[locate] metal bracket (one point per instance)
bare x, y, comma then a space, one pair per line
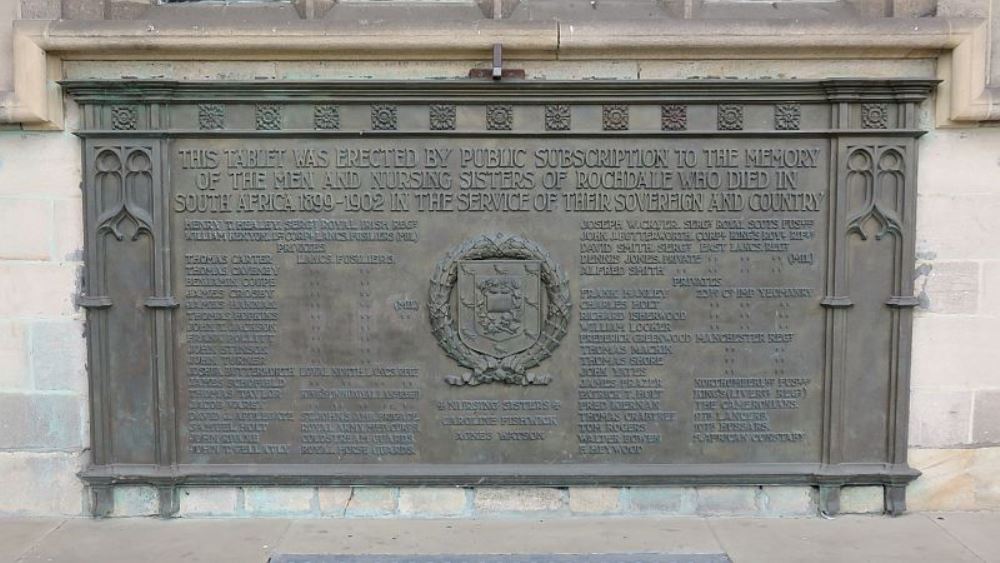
498, 72
497, 61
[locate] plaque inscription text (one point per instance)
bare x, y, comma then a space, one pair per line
321, 281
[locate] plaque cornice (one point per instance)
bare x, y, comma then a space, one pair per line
312, 133
406, 107
521, 91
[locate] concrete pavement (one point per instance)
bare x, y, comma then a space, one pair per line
932, 537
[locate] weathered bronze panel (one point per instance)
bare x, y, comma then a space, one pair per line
477, 283
431, 301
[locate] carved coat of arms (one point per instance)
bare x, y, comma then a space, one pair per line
499, 305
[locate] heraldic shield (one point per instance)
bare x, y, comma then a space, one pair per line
499, 305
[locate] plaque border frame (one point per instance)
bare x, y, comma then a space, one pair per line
151, 123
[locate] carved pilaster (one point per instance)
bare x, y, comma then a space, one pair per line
836, 302
871, 244
128, 299
875, 185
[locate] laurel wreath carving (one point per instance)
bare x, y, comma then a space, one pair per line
485, 368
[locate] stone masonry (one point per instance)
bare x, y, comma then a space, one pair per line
955, 404
43, 381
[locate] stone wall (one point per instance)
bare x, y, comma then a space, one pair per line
43, 381
955, 393
955, 428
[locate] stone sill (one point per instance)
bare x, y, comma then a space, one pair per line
960, 45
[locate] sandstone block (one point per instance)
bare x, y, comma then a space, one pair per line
581, 70
989, 303
784, 69
984, 471
862, 500
595, 500
111, 70
223, 70
41, 10
958, 227
39, 164
41, 484
372, 70
986, 424
59, 355
964, 9
939, 417
957, 161
25, 229
37, 290
492, 500
432, 501
957, 352
279, 501
333, 500
136, 501
945, 484
41, 421
789, 501
67, 232
950, 288
369, 502
727, 501
14, 372
209, 501
677, 501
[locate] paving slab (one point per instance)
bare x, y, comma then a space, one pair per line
18, 535
941, 537
563, 535
854, 539
142, 540
536, 558
978, 531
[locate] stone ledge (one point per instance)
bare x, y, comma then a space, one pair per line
960, 43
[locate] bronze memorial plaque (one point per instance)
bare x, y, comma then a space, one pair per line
500, 283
